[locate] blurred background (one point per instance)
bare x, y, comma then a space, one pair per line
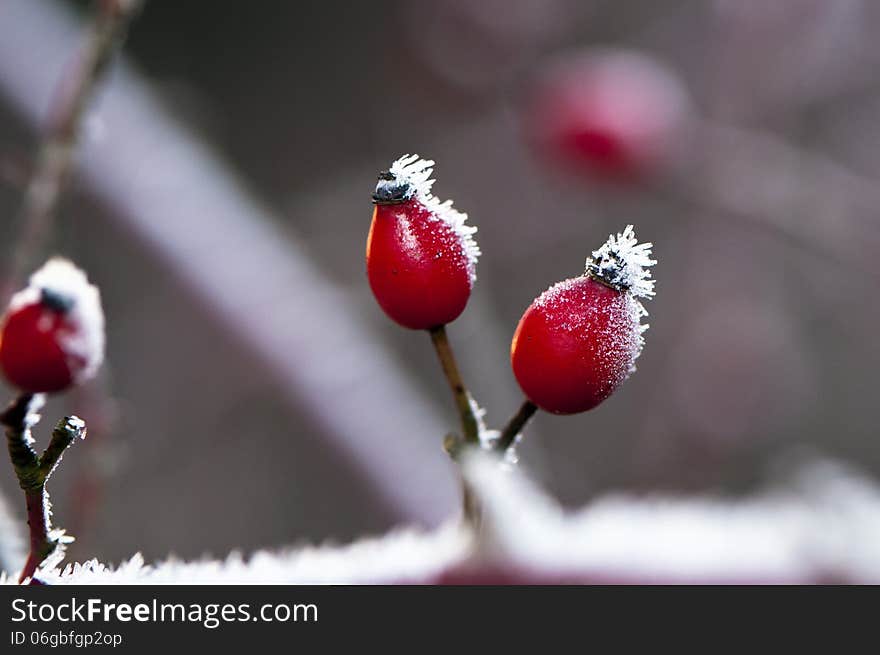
255, 395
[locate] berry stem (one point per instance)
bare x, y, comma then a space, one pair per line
453, 377
515, 426
34, 470
74, 95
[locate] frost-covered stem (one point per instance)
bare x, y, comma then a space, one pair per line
37, 502
33, 471
453, 377
16, 418
56, 150
515, 425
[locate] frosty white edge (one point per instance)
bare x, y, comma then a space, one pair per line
821, 521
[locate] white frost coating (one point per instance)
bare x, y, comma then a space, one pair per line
488, 437
821, 523
85, 341
416, 173
404, 556
622, 263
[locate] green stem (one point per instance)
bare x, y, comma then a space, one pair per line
453, 377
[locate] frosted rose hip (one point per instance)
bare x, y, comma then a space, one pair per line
53, 332
580, 339
421, 256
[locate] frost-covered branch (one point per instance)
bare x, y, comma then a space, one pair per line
821, 524
803, 196
33, 470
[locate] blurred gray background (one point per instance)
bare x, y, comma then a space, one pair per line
762, 340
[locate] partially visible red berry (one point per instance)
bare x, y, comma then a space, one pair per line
613, 114
579, 339
421, 256
53, 332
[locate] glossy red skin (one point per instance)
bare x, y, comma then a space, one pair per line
31, 350
574, 345
417, 266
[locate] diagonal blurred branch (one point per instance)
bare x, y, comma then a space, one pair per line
805, 197
56, 152
187, 207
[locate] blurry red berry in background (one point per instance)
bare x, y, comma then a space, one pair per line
421, 256
610, 114
53, 333
580, 339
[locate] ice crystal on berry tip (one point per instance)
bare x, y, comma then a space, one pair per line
411, 176
622, 262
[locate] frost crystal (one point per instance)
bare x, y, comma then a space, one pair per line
819, 523
487, 437
410, 177
62, 284
622, 263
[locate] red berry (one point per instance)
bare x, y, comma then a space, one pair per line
579, 339
421, 257
615, 114
53, 333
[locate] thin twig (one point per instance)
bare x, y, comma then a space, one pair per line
56, 152
515, 426
34, 470
460, 393
470, 428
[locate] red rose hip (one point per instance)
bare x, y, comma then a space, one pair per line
613, 114
421, 256
579, 339
53, 332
